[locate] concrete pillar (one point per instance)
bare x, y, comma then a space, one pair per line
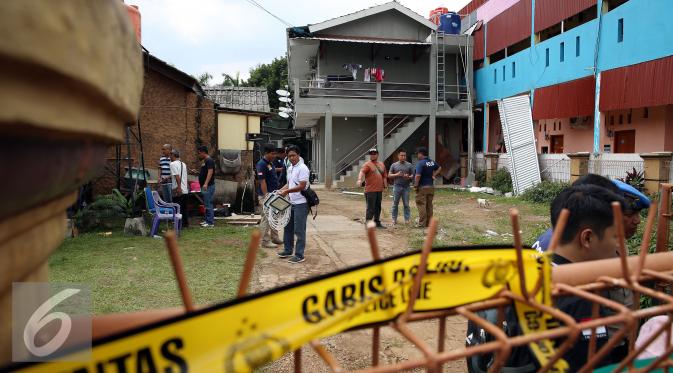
657, 168
380, 134
491, 164
432, 135
579, 165
486, 127
329, 160
463, 165
597, 116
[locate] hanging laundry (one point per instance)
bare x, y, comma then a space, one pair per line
353, 68
367, 77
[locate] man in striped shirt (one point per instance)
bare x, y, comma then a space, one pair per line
165, 172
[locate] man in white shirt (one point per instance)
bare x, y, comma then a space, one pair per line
179, 182
297, 181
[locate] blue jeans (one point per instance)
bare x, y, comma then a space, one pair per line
208, 201
296, 227
403, 192
166, 192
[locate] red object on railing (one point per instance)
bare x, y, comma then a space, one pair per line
436, 13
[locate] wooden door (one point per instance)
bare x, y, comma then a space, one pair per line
625, 141
556, 144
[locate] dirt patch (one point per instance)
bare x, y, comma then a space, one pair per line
337, 239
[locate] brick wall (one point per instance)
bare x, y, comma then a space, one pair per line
170, 113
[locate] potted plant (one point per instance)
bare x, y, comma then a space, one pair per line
134, 224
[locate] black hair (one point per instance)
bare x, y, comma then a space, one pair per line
293, 148
601, 181
280, 150
422, 150
202, 149
402, 151
268, 148
590, 207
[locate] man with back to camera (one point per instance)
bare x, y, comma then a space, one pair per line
279, 164
267, 183
207, 181
401, 172
424, 183
589, 235
180, 191
374, 175
297, 181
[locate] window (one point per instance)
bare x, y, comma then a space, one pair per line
621, 119
620, 30
546, 57
612, 120
545, 126
628, 117
646, 113
554, 126
562, 51
495, 76
559, 126
513, 69
503, 73
577, 46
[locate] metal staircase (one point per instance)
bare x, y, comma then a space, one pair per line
441, 71
397, 130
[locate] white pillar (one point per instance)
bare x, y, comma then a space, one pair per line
329, 161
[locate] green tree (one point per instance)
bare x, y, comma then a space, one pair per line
272, 76
204, 79
230, 81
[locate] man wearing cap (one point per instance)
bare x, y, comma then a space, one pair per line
635, 201
374, 175
424, 183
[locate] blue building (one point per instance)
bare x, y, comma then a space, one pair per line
599, 72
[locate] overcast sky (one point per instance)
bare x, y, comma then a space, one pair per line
229, 36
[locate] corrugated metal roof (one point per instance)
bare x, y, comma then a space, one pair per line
479, 44
352, 39
471, 6
645, 84
253, 99
570, 99
509, 27
551, 12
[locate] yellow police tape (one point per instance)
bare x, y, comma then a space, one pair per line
532, 320
243, 334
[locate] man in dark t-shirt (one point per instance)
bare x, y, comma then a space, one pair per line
207, 181
267, 182
424, 183
589, 235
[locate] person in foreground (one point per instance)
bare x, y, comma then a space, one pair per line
589, 235
297, 181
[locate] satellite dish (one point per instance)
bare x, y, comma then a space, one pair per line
286, 109
285, 99
282, 92
284, 115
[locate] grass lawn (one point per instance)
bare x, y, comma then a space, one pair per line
462, 222
134, 273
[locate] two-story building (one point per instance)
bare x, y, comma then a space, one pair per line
599, 72
383, 77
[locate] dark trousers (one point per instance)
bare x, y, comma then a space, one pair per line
182, 201
373, 200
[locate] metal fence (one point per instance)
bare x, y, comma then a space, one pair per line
555, 169
614, 169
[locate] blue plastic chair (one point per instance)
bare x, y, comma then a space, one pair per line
162, 211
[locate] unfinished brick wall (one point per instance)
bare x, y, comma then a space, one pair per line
170, 113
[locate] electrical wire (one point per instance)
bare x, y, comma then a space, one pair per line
277, 219
253, 2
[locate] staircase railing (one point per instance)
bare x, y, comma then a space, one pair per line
360, 150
